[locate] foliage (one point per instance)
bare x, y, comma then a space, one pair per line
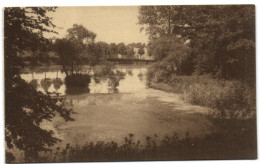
121, 49
113, 48
93, 54
130, 52
79, 80
172, 54
104, 49
23, 118
222, 38
23, 27
238, 142
157, 21
69, 52
26, 108
141, 51
71, 49
113, 77
75, 90
228, 98
221, 43
34, 83
80, 34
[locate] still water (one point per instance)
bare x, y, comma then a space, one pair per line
133, 81
102, 115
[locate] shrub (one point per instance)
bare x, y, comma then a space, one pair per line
230, 97
224, 143
114, 77
77, 80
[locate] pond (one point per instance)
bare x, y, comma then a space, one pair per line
102, 115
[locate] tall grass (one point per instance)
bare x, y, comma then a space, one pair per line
232, 98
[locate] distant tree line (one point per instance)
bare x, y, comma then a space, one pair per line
218, 40
79, 47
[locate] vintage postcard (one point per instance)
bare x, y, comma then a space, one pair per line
129, 83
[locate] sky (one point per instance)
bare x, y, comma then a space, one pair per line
111, 24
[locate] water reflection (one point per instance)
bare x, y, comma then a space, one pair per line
57, 82
121, 80
141, 76
76, 90
129, 72
46, 84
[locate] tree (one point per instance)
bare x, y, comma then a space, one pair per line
211, 32
25, 107
81, 34
141, 51
69, 53
130, 52
113, 49
173, 55
93, 54
104, 49
121, 49
76, 46
156, 20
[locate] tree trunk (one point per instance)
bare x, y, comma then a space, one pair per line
66, 72
72, 69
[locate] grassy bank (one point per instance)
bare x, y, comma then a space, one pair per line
235, 98
233, 114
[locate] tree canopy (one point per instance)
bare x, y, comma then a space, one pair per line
78, 45
81, 34
222, 38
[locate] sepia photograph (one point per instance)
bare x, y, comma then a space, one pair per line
129, 83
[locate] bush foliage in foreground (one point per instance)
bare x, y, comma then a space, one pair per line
231, 139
